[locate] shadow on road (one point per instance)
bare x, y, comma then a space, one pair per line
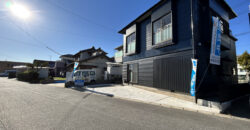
240, 108
92, 91
101, 85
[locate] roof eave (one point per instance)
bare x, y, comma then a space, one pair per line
142, 16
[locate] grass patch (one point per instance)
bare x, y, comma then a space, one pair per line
59, 78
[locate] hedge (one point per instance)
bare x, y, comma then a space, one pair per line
12, 75
28, 76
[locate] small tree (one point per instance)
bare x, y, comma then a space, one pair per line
38, 64
244, 61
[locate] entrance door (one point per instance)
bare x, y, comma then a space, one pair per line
133, 73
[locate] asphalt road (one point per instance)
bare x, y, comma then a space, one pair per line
25, 106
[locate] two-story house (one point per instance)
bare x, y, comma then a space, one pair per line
67, 59
92, 58
159, 45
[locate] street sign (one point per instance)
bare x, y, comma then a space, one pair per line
193, 77
79, 83
216, 42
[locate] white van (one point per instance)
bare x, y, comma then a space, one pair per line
88, 76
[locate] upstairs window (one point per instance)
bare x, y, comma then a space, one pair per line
131, 43
162, 29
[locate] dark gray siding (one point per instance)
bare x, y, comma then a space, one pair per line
124, 72
146, 72
170, 71
162, 10
173, 73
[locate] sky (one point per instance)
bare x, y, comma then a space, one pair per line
68, 26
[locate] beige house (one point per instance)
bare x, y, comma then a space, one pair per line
91, 58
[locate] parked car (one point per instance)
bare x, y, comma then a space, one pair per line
3, 75
6, 73
86, 76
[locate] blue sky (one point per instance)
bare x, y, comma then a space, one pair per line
68, 26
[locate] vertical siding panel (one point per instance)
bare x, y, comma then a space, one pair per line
173, 73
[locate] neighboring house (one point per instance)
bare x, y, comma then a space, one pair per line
51, 67
243, 75
8, 65
91, 59
119, 54
56, 68
159, 45
67, 59
114, 69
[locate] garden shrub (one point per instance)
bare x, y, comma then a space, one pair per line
28, 76
12, 75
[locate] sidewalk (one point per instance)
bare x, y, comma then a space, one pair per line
157, 97
141, 95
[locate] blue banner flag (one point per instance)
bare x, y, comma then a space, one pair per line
216, 42
193, 77
75, 67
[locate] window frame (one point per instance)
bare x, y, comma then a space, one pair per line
167, 42
127, 52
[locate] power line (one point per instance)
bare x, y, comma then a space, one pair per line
67, 32
17, 41
81, 17
241, 34
241, 13
34, 38
238, 5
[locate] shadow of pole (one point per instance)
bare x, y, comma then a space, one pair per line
92, 91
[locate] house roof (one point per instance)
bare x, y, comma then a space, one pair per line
146, 14
86, 50
232, 14
97, 56
43, 61
119, 47
89, 50
67, 55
